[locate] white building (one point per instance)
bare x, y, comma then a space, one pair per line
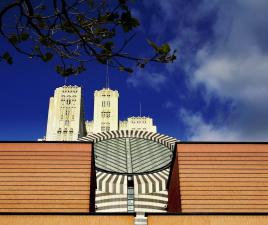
140, 123
66, 115
105, 110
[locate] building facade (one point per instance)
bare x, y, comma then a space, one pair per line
66, 115
111, 177
66, 121
106, 115
140, 123
105, 110
132, 169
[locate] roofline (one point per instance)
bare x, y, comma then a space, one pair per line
203, 142
208, 214
221, 142
70, 214
50, 142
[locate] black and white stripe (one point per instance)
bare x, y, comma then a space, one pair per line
148, 151
151, 183
111, 183
160, 138
131, 152
150, 192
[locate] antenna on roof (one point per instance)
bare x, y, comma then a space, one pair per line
107, 74
140, 108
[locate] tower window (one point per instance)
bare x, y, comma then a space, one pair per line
105, 114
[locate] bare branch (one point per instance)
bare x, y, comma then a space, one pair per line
77, 33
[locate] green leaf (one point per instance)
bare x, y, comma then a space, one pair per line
6, 56
65, 72
128, 22
59, 69
44, 40
47, 57
135, 22
37, 49
141, 64
24, 36
108, 45
154, 46
165, 49
13, 39
80, 69
41, 24
67, 26
125, 69
103, 18
112, 17
91, 3
101, 59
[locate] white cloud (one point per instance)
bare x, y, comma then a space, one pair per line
145, 78
231, 63
242, 78
199, 130
235, 66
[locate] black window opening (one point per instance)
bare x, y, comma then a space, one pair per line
130, 194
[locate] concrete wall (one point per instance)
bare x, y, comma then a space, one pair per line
46, 177
218, 177
207, 220
66, 220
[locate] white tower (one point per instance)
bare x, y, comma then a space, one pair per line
105, 110
66, 115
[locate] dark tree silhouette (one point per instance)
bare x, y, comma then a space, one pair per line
76, 31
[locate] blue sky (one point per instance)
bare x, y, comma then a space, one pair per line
216, 90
